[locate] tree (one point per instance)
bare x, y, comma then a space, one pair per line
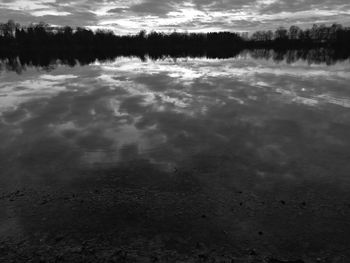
142, 34
8, 29
281, 33
334, 31
294, 32
269, 35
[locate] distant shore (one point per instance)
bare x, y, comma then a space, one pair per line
14, 37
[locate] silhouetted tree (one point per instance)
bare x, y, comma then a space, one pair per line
294, 33
42, 36
281, 34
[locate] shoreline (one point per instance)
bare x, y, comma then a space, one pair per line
118, 216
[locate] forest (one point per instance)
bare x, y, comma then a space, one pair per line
41, 36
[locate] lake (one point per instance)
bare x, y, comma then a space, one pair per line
247, 155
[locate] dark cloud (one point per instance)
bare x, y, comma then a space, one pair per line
156, 7
304, 5
117, 10
153, 7
221, 5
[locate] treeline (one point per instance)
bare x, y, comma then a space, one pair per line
41, 36
317, 35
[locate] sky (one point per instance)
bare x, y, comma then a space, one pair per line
181, 15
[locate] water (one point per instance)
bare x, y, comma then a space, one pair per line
168, 111
273, 130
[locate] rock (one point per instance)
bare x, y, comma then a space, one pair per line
154, 259
273, 260
203, 257
119, 255
59, 238
77, 249
59, 257
44, 202
42, 260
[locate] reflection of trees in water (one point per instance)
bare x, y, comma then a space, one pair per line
312, 56
49, 60
12, 64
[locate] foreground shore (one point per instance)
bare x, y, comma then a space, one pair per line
142, 215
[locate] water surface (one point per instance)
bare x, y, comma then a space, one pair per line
274, 129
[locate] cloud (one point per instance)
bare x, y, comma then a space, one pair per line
117, 10
180, 15
153, 7
305, 5
49, 13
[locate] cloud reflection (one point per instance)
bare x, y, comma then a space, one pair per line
169, 111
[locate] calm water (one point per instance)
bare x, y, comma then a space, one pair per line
283, 121
277, 130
